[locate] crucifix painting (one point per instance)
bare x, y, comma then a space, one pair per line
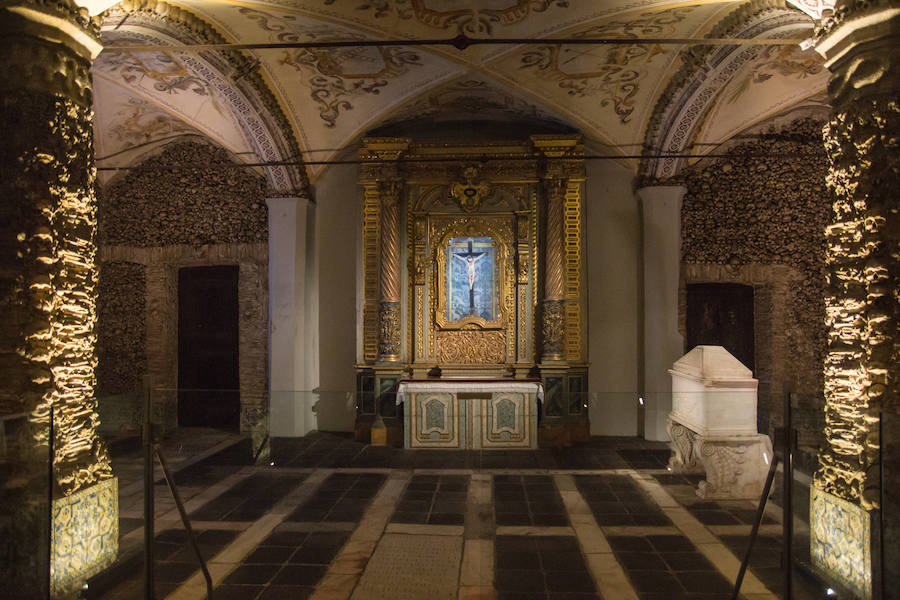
471, 278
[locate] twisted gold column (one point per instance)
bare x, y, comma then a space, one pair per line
553, 324
389, 301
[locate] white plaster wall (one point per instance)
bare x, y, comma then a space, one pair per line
290, 354
663, 344
337, 222
612, 242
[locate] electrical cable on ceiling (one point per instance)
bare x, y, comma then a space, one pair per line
484, 159
462, 42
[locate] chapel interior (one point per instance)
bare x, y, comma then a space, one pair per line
463, 299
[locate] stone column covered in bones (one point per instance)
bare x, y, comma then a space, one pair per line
48, 274
861, 45
862, 368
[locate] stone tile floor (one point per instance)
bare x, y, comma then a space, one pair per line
528, 500
329, 518
433, 500
541, 567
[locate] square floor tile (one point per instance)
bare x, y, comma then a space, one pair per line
299, 575
704, 582
518, 581
517, 560
671, 543
315, 555
237, 592
285, 592
273, 555
569, 581
630, 543
252, 574
687, 561
654, 581
641, 561
285, 538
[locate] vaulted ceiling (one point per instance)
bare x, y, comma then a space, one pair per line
284, 103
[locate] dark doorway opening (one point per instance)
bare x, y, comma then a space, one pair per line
721, 314
208, 347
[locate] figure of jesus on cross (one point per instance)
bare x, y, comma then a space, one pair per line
470, 258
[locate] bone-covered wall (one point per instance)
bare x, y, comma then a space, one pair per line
758, 217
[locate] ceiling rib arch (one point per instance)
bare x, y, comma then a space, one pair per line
235, 76
685, 103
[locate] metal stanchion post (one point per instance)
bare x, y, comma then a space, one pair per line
179, 503
760, 511
788, 514
50, 459
148, 499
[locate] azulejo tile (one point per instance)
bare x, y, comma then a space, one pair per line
85, 537
839, 540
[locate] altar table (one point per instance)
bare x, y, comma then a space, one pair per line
465, 414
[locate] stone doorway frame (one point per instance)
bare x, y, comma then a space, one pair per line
161, 341
771, 322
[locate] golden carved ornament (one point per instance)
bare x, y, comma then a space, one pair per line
469, 194
471, 346
433, 198
420, 346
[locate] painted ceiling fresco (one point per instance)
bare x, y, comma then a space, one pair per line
330, 97
142, 97
778, 76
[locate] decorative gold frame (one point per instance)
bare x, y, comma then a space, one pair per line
498, 229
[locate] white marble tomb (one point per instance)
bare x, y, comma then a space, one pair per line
712, 425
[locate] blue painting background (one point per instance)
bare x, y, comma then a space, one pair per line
485, 295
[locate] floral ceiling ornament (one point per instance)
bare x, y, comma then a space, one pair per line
337, 74
167, 72
785, 61
468, 20
139, 122
613, 73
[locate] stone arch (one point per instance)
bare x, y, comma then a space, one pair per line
705, 71
147, 251
236, 76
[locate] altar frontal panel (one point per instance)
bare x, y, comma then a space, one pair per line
434, 421
470, 419
507, 420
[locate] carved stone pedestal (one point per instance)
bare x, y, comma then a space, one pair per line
735, 466
684, 457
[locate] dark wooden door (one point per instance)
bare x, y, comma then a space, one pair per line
208, 347
721, 314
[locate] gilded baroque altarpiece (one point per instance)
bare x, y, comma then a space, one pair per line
471, 259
